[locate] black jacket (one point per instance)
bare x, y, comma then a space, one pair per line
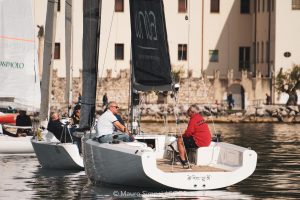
61, 133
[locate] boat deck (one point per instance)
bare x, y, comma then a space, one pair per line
166, 166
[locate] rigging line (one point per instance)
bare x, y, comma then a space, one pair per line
67, 3
181, 58
106, 49
116, 39
138, 111
209, 103
129, 88
175, 109
188, 69
187, 52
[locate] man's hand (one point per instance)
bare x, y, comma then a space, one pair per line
131, 137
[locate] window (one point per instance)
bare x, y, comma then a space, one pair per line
58, 5
182, 51
268, 51
214, 6
213, 55
119, 5
262, 52
57, 51
257, 52
119, 51
295, 4
245, 6
254, 52
182, 6
244, 58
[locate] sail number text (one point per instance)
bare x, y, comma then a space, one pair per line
145, 25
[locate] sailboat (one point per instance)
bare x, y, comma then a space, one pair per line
20, 85
51, 152
148, 162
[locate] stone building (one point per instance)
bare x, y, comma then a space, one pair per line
234, 46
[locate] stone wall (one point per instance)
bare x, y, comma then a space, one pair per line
205, 90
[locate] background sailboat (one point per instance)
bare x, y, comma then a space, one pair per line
20, 85
50, 152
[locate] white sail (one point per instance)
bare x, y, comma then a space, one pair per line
20, 85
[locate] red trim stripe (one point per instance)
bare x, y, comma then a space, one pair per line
18, 39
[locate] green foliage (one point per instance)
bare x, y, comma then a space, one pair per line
177, 73
288, 81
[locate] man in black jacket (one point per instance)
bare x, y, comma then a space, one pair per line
23, 120
59, 129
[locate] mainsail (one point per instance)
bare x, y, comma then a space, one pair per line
149, 43
20, 85
90, 48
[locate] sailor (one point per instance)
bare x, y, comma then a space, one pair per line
196, 135
59, 129
107, 123
23, 120
76, 115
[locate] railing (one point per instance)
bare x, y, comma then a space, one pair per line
258, 102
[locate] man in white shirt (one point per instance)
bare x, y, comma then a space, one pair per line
106, 125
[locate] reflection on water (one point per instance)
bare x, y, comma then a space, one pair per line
58, 183
277, 175
108, 192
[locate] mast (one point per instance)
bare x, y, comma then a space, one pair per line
48, 58
90, 54
69, 52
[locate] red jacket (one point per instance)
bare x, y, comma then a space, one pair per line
198, 129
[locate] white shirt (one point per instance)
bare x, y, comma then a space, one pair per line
105, 124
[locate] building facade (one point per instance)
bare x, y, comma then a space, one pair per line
237, 45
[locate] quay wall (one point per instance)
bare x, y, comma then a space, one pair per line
209, 94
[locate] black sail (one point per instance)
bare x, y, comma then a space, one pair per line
90, 48
149, 43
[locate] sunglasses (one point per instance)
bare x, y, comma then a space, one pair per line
117, 107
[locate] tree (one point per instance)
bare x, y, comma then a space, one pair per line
177, 73
289, 82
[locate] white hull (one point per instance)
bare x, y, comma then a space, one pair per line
55, 155
15, 145
124, 164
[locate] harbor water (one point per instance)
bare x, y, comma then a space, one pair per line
277, 175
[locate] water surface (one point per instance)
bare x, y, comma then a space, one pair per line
277, 175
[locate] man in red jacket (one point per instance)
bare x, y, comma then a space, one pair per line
196, 135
